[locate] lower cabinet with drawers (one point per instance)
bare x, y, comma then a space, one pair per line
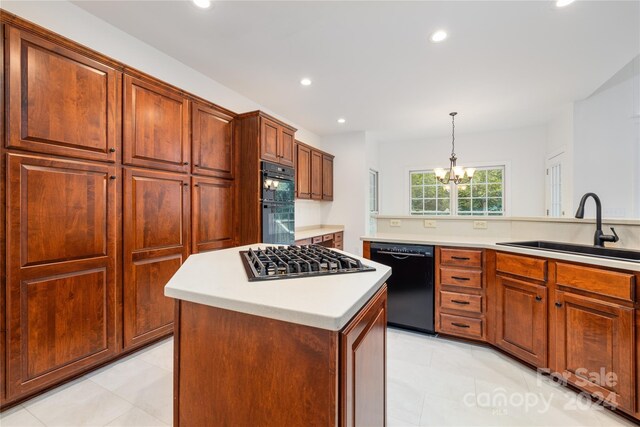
579, 322
329, 240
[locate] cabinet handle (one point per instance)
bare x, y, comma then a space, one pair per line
185, 163
196, 185
112, 150
186, 184
460, 302
460, 325
112, 177
460, 278
538, 298
461, 258
558, 304
197, 166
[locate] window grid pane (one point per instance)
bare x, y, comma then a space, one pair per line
428, 195
484, 195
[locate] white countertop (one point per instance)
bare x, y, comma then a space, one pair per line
308, 233
218, 279
490, 243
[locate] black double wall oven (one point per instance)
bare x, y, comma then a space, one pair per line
278, 204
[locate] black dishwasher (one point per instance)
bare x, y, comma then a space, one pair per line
410, 287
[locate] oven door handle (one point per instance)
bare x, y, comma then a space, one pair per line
400, 256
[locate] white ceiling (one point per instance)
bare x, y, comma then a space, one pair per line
505, 64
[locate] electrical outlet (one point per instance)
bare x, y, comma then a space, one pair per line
395, 223
480, 225
429, 223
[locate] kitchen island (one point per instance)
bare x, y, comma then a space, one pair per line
300, 351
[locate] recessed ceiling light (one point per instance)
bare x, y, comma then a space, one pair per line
305, 82
439, 36
341, 120
563, 3
204, 4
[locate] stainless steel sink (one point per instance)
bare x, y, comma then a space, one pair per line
611, 253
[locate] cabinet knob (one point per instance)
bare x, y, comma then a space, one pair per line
197, 166
558, 304
185, 163
538, 298
186, 184
112, 177
196, 185
112, 150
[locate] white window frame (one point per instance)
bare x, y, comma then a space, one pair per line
506, 193
377, 192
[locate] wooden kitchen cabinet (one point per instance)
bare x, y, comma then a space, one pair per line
363, 366
156, 126
521, 321
61, 302
303, 171
327, 177
156, 243
59, 101
214, 218
594, 346
213, 147
316, 175
276, 141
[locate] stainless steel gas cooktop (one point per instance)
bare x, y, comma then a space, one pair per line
286, 262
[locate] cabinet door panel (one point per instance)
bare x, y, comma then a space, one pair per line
65, 319
61, 305
595, 338
316, 175
54, 231
214, 222
60, 102
156, 131
213, 145
327, 177
363, 365
522, 320
270, 140
156, 224
285, 151
303, 172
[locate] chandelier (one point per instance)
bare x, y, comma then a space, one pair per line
456, 173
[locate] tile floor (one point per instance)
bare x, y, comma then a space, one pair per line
431, 382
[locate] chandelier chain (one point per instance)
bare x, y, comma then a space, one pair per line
453, 135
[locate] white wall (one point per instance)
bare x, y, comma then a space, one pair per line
76, 24
522, 150
350, 191
560, 148
607, 145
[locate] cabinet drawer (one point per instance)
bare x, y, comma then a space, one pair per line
339, 237
462, 302
461, 257
339, 245
596, 280
327, 237
532, 268
317, 239
461, 326
461, 277
303, 242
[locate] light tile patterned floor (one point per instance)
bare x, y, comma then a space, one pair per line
431, 382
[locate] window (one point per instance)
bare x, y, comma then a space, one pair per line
373, 191
428, 195
483, 196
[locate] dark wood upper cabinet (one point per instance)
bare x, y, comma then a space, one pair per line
521, 324
212, 142
287, 144
61, 297
303, 171
156, 237
327, 177
156, 126
59, 101
270, 137
316, 175
214, 218
594, 346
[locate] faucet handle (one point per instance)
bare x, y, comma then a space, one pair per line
615, 235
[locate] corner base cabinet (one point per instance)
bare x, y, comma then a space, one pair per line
234, 368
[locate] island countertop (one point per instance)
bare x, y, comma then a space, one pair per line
218, 279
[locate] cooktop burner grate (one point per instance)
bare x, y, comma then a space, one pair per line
285, 262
